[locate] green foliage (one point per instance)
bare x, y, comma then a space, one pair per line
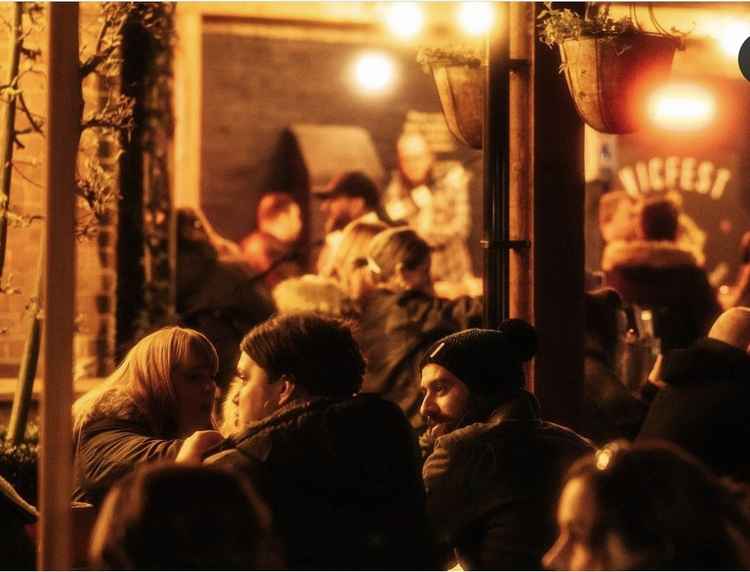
18, 463
558, 26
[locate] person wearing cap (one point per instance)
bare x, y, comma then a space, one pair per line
494, 468
433, 198
704, 401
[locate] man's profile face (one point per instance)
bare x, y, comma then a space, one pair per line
340, 210
445, 399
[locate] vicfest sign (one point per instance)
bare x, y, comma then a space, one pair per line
685, 174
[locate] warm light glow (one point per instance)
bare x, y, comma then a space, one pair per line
732, 36
476, 17
682, 107
374, 72
404, 19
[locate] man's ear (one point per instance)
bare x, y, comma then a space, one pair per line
288, 388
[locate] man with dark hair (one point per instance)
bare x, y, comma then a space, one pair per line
340, 471
349, 196
495, 469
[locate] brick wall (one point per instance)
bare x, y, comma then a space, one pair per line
96, 279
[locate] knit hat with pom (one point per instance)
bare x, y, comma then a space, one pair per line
487, 361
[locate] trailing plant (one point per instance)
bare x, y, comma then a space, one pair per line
459, 55
558, 26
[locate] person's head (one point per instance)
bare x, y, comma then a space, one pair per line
649, 506
618, 218
466, 375
415, 158
296, 356
181, 517
279, 215
733, 327
659, 219
168, 376
398, 259
313, 293
350, 259
347, 197
606, 321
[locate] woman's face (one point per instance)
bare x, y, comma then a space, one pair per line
194, 387
257, 397
576, 517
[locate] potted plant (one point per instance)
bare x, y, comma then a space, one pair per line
610, 65
459, 75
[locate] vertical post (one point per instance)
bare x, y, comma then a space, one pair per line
558, 239
63, 112
495, 145
521, 141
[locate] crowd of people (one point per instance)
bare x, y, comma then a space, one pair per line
361, 418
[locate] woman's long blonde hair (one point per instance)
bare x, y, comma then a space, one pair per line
142, 383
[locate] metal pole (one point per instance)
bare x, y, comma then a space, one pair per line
63, 113
496, 156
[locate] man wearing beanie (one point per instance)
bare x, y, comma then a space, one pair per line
494, 470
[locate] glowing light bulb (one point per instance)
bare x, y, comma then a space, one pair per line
682, 107
476, 17
732, 36
374, 72
405, 19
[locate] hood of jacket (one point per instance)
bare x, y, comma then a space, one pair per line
653, 254
705, 361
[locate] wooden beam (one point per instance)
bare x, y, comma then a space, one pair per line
558, 244
63, 112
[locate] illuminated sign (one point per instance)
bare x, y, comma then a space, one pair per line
675, 173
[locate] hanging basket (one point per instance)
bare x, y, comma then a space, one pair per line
610, 77
461, 90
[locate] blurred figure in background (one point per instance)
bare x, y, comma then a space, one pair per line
739, 293
402, 316
350, 196
704, 405
216, 296
655, 272
610, 411
173, 517
647, 507
279, 224
433, 198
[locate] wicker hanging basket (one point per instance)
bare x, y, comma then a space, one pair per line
461, 90
610, 77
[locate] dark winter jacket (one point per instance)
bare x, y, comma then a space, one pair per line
610, 411
705, 407
108, 448
396, 329
666, 279
342, 480
492, 487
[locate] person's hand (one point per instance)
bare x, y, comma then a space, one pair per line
196, 445
421, 196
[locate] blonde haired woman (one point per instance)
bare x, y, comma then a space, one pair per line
161, 394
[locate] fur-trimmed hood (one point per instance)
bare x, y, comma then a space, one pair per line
654, 254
